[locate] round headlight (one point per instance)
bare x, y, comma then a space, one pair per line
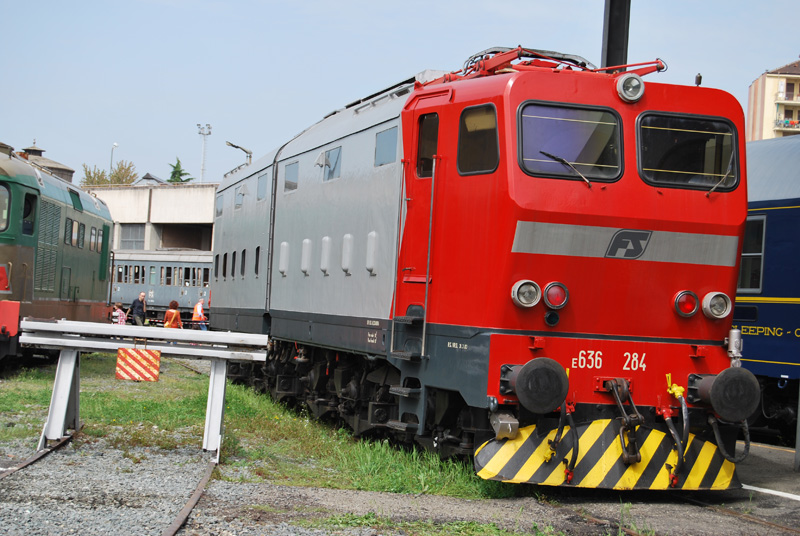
630, 87
716, 305
686, 303
525, 293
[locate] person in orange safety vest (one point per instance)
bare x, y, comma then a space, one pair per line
198, 317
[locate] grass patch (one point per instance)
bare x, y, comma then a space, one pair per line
262, 441
411, 528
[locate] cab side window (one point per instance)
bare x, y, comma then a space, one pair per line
428, 142
29, 214
478, 150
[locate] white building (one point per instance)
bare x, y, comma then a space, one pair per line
773, 104
152, 214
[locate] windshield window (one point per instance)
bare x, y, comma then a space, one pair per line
4, 195
567, 141
688, 152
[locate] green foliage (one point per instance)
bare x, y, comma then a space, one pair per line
263, 440
123, 173
417, 528
178, 173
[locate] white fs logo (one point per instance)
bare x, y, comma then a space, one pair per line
628, 244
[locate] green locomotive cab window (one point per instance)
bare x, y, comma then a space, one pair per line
692, 152
4, 198
29, 215
571, 142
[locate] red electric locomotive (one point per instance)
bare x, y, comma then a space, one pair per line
556, 298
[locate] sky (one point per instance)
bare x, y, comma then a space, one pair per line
82, 76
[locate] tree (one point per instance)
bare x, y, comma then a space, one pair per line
178, 173
123, 173
94, 176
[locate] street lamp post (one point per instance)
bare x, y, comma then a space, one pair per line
248, 152
111, 165
205, 132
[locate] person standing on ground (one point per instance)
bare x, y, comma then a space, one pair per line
118, 316
172, 318
198, 317
138, 309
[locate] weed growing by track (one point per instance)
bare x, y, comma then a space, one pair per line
263, 441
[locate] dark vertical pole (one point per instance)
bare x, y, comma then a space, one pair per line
616, 22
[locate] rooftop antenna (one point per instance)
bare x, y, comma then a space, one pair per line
205, 132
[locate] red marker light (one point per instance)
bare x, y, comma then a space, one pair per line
556, 295
686, 303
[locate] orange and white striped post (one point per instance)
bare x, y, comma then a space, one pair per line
138, 365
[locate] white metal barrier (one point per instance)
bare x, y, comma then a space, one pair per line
71, 338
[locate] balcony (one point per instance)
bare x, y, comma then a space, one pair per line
787, 125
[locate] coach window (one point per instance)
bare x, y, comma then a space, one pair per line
578, 143
428, 141
216, 266
153, 276
218, 206
261, 191
690, 152
242, 262
478, 149
386, 147
205, 277
238, 196
119, 274
93, 239
75, 232
168, 277
752, 268
291, 174
189, 278
332, 165
233, 264
224, 266
258, 254
81, 235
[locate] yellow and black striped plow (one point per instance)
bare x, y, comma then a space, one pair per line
524, 459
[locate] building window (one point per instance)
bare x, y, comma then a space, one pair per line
131, 236
332, 167
752, 269
478, 149
291, 175
386, 147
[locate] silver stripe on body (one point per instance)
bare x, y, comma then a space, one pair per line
541, 238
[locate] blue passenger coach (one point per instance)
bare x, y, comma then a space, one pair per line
163, 275
768, 298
